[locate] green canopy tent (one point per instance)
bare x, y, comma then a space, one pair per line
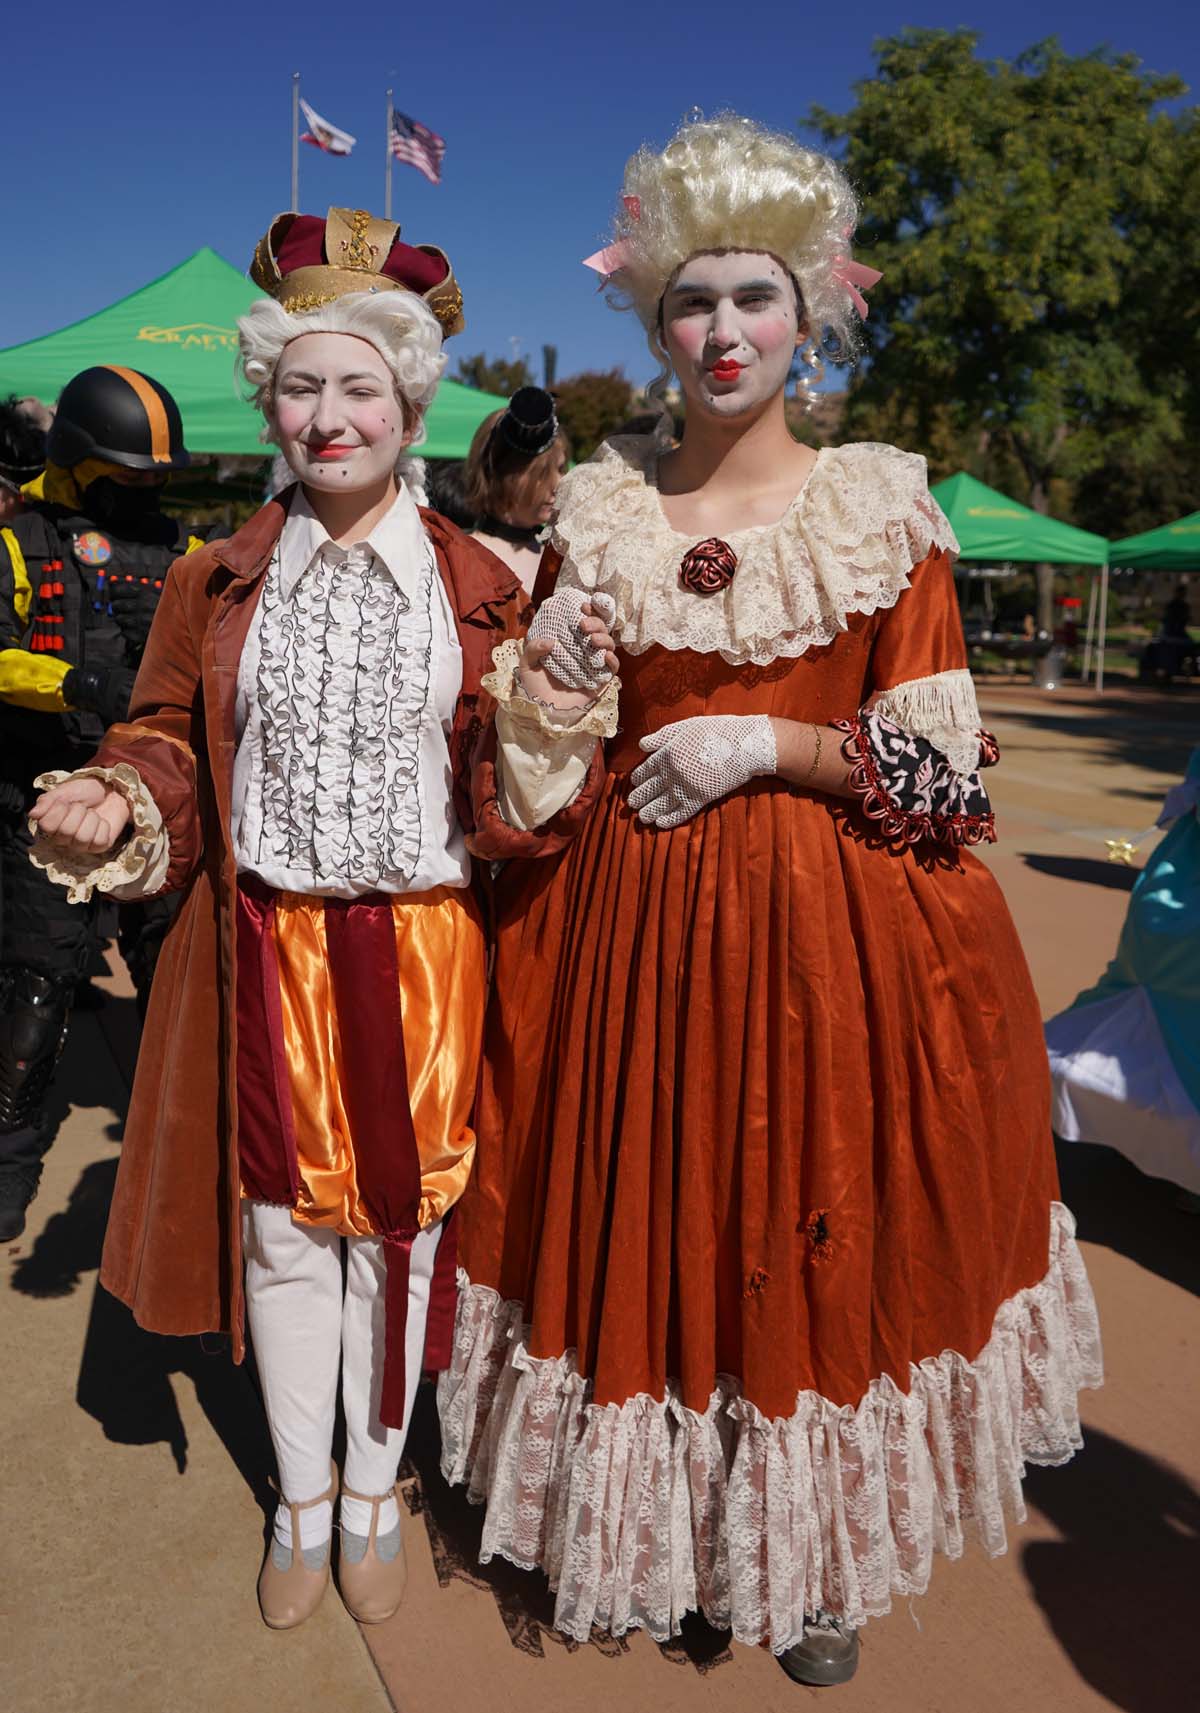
991, 526
1170, 547
182, 329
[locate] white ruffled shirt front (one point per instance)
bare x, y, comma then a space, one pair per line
346, 693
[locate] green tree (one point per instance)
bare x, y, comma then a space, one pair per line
1018, 213
494, 374
591, 405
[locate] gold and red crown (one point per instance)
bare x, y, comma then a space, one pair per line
304, 262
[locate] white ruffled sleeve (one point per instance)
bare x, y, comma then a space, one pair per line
542, 754
135, 868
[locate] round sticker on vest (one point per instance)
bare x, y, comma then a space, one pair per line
92, 548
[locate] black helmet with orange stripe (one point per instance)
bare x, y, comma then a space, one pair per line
120, 416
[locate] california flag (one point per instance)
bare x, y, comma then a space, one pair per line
323, 135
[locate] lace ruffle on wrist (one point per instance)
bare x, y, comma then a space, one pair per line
846, 545
909, 789
598, 719
143, 852
641, 1512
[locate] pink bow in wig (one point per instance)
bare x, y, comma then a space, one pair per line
852, 275
614, 257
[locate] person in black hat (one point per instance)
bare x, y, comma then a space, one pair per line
516, 461
81, 571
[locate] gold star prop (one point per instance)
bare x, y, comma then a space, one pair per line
1121, 850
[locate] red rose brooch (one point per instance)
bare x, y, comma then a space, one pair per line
708, 567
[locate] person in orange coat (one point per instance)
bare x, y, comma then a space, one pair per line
766, 1292
296, 762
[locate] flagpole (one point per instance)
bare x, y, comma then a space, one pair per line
295, 142
387, 170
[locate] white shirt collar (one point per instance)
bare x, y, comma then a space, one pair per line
398, 541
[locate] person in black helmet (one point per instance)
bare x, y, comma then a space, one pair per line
81, 571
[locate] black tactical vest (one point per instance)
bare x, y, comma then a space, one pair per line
71, 563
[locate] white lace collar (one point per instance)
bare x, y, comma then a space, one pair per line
846, 544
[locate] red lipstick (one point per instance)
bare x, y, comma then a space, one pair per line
726, 369
333, 452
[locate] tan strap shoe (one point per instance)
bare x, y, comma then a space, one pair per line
372, 1584
289, 1591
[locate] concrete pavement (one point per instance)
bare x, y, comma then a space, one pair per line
135, 1467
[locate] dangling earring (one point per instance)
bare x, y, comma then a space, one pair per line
806, 385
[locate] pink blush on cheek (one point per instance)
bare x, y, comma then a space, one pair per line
769, 332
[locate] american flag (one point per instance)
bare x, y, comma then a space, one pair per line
418, 145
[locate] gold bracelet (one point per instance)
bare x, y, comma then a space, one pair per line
816, 760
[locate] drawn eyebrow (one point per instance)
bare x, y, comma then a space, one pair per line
684, 286
317, 380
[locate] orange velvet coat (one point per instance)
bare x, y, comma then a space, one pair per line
173, 1248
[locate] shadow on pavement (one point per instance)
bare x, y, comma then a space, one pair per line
1152, 735
1096, 871
126, 1375
522, 1597
1119, 1588
1116, 1205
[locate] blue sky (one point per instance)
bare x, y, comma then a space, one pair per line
137, 133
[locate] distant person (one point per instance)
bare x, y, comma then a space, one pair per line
1172, 650
22, 454
81, 572
516, 461
1176, 616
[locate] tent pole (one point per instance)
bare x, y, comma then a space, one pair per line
295, 142
387, 159
1091, 626
1103, 622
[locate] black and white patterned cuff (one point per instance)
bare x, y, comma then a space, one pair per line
909, 790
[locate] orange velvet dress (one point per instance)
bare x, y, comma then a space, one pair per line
765, 1290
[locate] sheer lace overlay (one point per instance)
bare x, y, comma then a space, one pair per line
641, 1512
846, 544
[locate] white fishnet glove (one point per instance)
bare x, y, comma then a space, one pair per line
573, 662
693, 762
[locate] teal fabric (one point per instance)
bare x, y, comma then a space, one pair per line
1159, 948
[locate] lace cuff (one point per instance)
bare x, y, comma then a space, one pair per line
543, 754
910, 789
134, 869
941, 708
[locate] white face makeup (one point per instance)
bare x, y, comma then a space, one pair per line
731, 330
337, 418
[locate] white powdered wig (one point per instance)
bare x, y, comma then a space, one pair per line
729, 184
402, 328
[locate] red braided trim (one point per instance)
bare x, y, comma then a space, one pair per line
905, 826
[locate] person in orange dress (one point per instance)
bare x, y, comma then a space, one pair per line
765, 1290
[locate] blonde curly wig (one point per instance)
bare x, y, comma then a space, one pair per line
730, 184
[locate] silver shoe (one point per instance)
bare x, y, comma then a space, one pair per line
827, 1655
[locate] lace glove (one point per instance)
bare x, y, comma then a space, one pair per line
693, 762
573, 662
